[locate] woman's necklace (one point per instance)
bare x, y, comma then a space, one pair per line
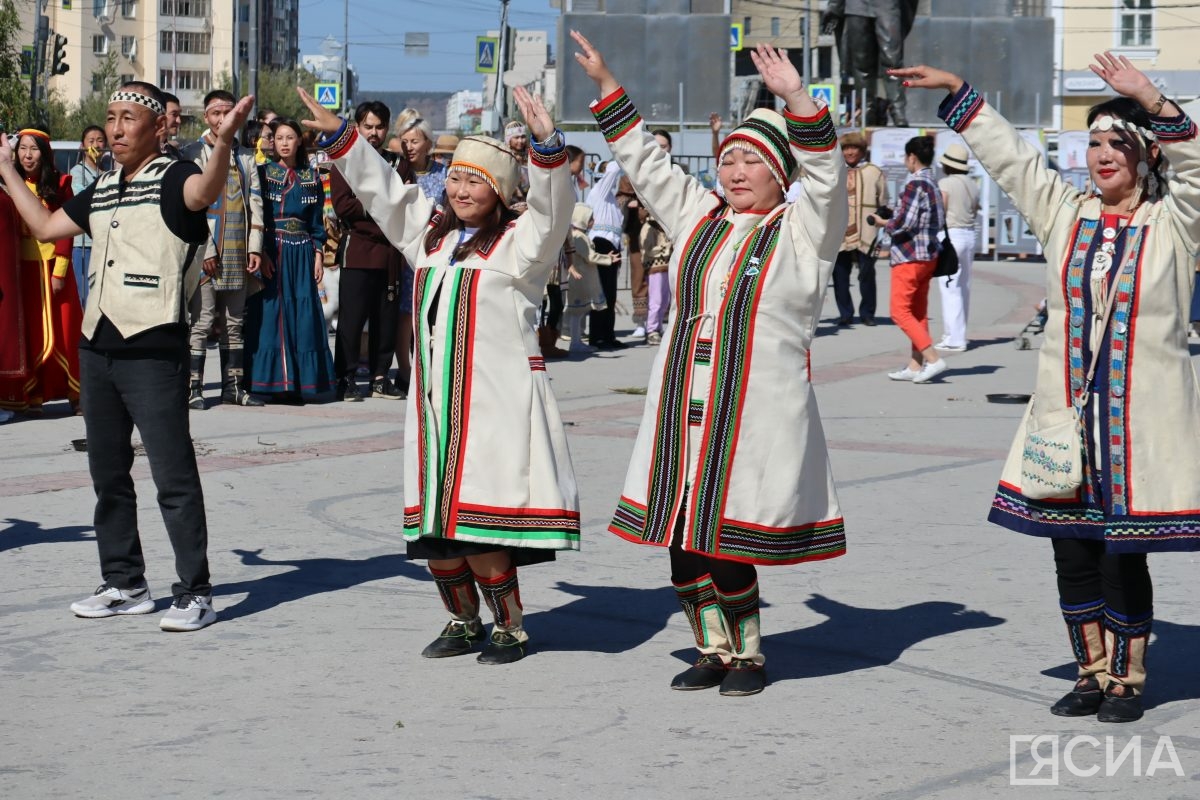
737, 249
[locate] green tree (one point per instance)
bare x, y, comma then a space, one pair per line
276, 89
14, 90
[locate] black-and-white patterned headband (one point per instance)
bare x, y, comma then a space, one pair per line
139, 98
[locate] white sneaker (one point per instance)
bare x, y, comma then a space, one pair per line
189, 612
950, 348
639, 332
930, 371
109, 601
905, 374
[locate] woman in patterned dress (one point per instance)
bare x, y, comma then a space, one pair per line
285, 325
1120, 267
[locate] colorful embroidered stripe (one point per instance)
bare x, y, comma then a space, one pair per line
670, 453
695, 412
548, 160
1076, 305
958, 109
344, 141
703, 351
739, 608
1179, 128
1119, 354
428, 453
615, 114
629, 520
550, 528
761, 545
537, 364
815, 133
727, 387
459, 346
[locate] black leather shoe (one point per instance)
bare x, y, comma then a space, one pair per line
869, 322
843, 322
347, 390
240, 397
456, 639
1082, 701
1120, 704
743, 678
382, 387
502, 648
708, 672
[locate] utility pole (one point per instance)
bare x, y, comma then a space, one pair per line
499, 103
805, 27
41, 37
252, 50
345, 56
236, 70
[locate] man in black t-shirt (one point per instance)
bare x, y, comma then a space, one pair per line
133, 357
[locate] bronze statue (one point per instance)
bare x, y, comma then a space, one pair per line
870, 38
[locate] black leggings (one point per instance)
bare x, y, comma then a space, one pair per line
727, 576
1086, 573
552, 307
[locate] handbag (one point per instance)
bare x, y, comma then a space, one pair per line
1052, 458
947, 260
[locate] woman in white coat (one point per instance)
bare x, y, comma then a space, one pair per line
730, 469
488, 482
1120, 266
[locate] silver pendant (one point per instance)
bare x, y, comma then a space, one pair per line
1108, 247
1101, 262
1110, 233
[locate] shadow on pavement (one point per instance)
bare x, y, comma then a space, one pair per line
854, 638
604, 619
1170, 664
23, 532
311, 576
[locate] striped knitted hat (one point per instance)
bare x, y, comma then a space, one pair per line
764, 133
489, 159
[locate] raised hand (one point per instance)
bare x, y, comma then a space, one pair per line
714, 122
923, 77
1124, 78
778, 74
323, 119
234, 120
6, 152
593, 65
535, 114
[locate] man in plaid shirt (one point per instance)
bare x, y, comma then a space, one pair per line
914, 230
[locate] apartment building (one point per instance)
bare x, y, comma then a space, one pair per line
183, 46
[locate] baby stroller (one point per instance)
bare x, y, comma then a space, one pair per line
1032, 328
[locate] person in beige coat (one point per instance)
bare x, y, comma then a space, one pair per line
730, 469
866, 190
488, 482
1120, 266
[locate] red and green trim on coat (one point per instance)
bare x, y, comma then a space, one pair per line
710, 531
442, 437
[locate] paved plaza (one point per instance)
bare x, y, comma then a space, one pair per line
898, 672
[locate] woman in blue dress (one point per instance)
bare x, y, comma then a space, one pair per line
285, 326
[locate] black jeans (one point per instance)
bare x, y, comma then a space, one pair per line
601, 324
363, 299
842, 267
151, 393
552, 308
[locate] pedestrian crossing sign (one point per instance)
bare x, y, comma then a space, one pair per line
825, 94
328, 95
735, 36
485, 53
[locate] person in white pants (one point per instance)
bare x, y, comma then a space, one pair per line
960, 194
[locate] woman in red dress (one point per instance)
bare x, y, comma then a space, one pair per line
40, 360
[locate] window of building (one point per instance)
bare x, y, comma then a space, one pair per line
184, 80
128, 9
67, 5
128, 45
100, 44
775, 26
183, 8
184, 42
97, 82
746, 26
1137, 23
124, 78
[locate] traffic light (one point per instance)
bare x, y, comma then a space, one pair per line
60, 65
